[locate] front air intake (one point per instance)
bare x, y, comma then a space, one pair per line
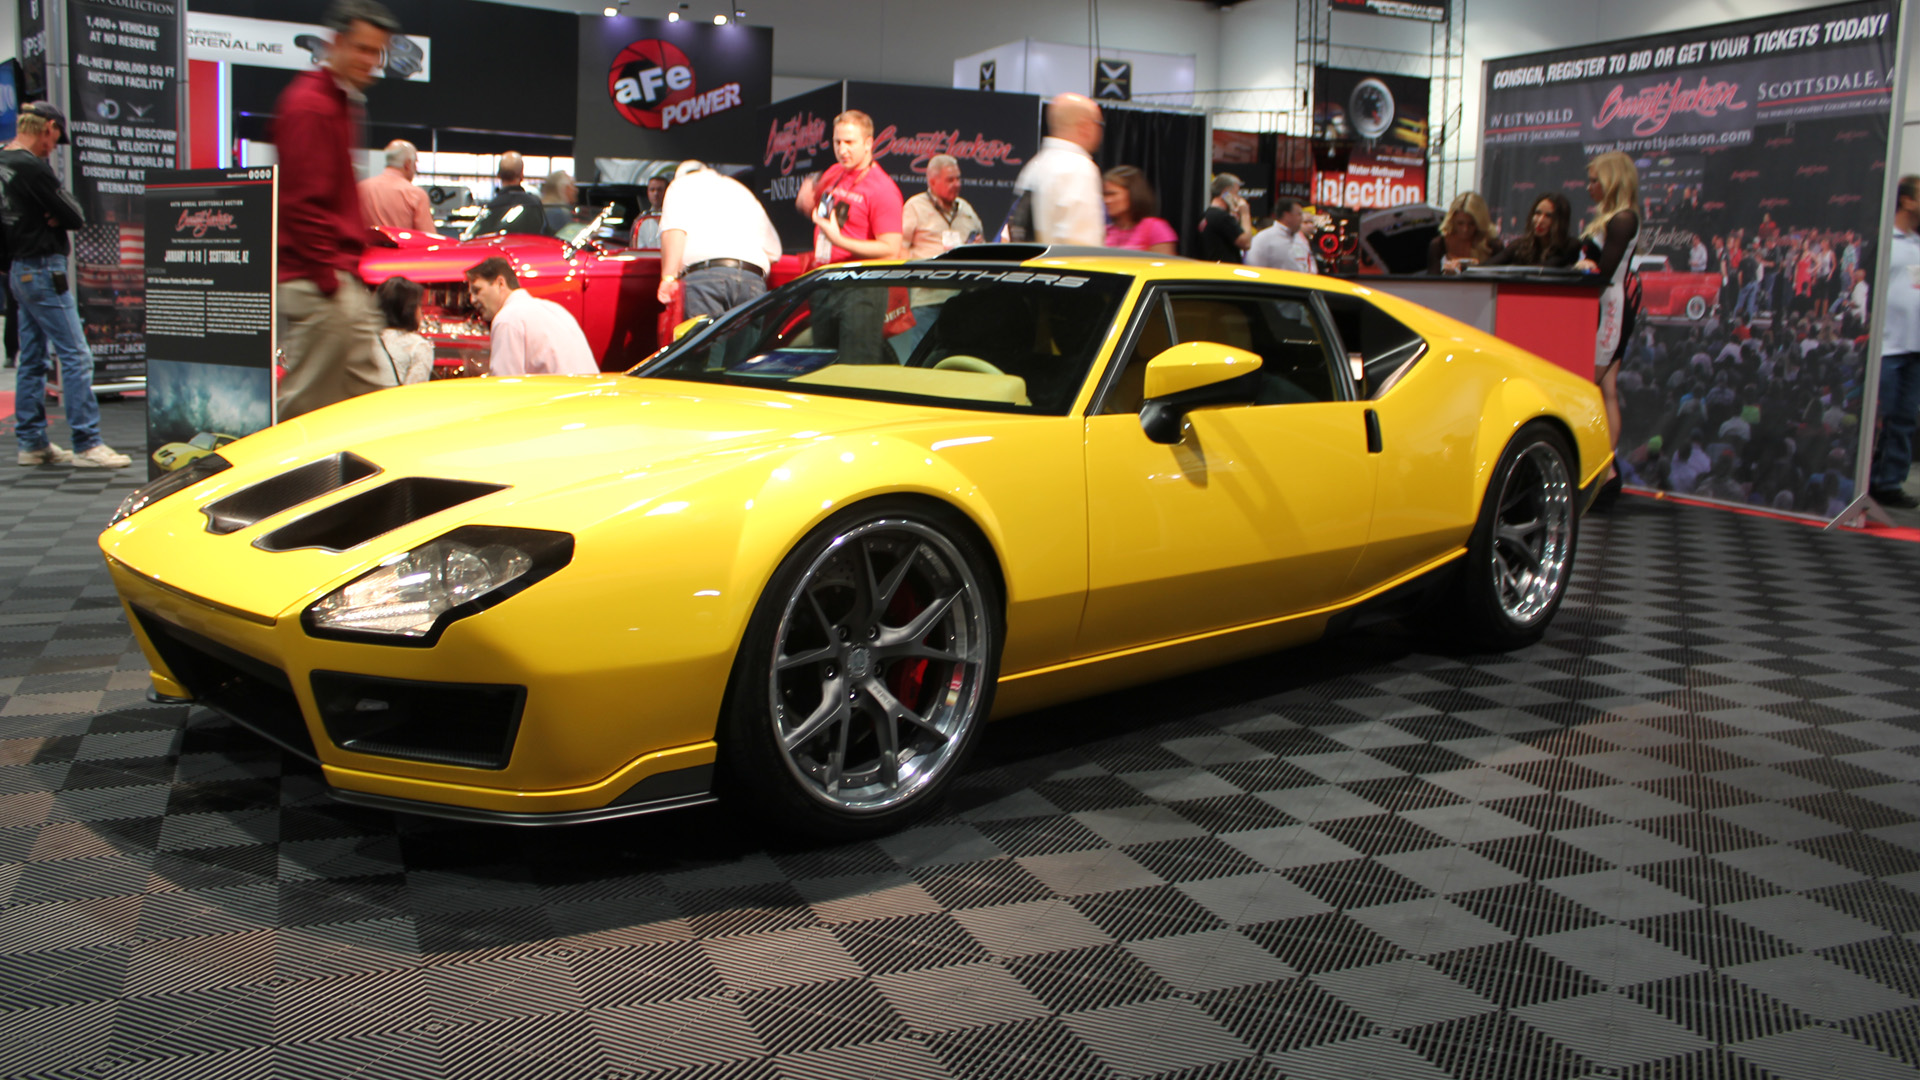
352, 522
286, 491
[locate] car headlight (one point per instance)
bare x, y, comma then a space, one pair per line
411, 598
179, 480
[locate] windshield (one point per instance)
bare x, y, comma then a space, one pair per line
1001, 338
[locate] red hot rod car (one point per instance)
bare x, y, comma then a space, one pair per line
1671, 295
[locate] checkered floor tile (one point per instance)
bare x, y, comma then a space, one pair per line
1679, 838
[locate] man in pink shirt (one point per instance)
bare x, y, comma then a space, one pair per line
391, 198
855, 208
531, 336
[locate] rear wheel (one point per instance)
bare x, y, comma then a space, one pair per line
1696, 308
1520, 556
866, 673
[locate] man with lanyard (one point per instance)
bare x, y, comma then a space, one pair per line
855, 208
1899, 402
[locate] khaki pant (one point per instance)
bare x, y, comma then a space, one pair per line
328, 342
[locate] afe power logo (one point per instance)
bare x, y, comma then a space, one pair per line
652, 84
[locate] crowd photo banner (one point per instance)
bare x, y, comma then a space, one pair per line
210, 268
1762, 147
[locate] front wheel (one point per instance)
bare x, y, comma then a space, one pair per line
1696, 308
1521, 553
866, 673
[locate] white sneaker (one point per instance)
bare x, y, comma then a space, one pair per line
101, 456
50, 454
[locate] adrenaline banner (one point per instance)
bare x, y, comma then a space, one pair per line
124, 120
1371, 136
1761, 148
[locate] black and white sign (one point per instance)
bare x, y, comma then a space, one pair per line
209, 269
124, 119
988, 69
1113, 80
294, 46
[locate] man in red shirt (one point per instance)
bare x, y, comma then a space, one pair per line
327, 317
855, 208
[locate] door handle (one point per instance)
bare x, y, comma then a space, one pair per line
1373, 432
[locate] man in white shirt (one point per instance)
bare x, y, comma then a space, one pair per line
531, 336
1898, 404
1283, 245
1062, 182
716, 242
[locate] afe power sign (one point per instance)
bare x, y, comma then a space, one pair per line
653, 85
664, 90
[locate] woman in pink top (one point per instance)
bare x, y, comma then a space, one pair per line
1130, 207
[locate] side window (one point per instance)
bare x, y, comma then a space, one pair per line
1296, 363
1155, 337
1379, 347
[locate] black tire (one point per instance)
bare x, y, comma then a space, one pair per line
838, 617
1514, 578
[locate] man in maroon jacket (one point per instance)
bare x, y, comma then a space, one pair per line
328, 320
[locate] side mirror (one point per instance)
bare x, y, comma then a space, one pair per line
690, 325
1188, 376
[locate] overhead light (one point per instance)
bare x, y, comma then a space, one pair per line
673, 16
719, 20
610, 11
739, 14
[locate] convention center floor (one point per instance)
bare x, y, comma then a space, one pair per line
1679, 838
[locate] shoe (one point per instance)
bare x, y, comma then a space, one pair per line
1897, 498
101, 456
50, 454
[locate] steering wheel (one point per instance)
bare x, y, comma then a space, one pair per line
967, 363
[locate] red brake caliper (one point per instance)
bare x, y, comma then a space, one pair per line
907, 679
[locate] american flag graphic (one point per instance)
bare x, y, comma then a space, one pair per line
107, 251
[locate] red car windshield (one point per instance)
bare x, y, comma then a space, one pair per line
996, 337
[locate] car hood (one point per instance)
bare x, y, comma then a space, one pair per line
567, 451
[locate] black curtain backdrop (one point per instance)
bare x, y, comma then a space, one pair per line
1171, 148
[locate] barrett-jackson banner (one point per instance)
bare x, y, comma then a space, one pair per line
1428, 11
1761, 147
1372, 131
795, 141
991, 135
659, 90
124, 120
33, 50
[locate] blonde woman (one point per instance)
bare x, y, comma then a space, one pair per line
1606, 251
1467, 237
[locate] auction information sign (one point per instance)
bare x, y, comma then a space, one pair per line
124, 120
1761, 150
210, 256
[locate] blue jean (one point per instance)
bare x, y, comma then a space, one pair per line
1899, 412
51, 320
717, 290
1749, 299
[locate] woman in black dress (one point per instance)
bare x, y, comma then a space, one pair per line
1549, 242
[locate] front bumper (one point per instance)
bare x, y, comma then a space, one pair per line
567, 760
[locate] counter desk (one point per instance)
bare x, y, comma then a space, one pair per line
1554, 316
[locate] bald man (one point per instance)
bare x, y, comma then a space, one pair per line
391, 198
1062, 182
514, 209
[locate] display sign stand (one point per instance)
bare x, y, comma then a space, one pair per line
1864, 508
211, 265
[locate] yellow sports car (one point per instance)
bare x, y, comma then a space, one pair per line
801, 554
175, 455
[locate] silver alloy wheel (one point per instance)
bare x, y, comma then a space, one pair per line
1532, 533
879, 665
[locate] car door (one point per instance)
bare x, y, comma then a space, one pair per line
1261, 509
